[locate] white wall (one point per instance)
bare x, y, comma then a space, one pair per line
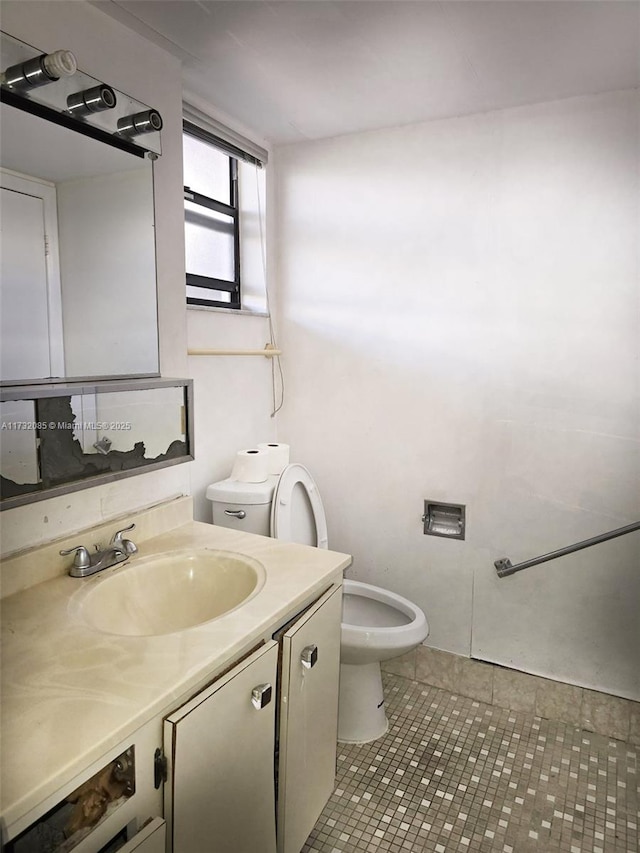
459, 309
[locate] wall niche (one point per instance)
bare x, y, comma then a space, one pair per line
59, 438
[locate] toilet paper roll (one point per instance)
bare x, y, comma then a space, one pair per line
250, 466
278, 456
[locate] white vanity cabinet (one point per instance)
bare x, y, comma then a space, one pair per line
224, 746
171, 715
220, 792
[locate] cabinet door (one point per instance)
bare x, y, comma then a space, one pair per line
150, 839
308, 719
220, 795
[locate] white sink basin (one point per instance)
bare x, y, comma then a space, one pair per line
170, 592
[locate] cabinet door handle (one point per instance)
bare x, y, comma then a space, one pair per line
261, 696
309, 656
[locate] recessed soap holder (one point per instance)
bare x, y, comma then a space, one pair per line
442, 519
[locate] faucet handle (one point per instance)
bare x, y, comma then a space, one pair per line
127, 545
81, 560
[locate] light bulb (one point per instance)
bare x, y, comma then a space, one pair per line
60, 63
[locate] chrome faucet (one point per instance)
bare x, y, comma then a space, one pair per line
86, 564
126, 545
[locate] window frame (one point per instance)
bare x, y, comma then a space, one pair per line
231, 210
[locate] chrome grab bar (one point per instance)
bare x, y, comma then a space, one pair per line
504, 566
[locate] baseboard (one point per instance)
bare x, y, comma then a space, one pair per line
590, 710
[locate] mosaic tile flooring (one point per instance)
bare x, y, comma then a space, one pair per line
452, 774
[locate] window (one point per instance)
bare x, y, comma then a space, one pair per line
212, 221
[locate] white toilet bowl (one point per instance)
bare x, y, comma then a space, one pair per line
377, 625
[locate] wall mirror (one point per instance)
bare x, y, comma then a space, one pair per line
78, 278
60, 438
77, 274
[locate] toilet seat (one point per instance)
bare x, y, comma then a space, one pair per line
288, 511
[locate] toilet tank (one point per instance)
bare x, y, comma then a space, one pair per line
242, 506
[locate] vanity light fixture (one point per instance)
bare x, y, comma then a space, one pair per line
93, 100
82, 103
144, 122
41, 70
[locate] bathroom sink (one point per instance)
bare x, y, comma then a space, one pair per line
170, 592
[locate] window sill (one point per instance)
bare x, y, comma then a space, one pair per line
235, 311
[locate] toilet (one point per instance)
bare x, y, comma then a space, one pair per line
376, 624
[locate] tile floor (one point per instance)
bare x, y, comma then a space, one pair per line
453, 774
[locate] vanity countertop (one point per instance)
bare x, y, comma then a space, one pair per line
70, 693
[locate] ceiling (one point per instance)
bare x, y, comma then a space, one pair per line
308, 69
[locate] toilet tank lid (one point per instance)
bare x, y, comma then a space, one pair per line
235, 492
